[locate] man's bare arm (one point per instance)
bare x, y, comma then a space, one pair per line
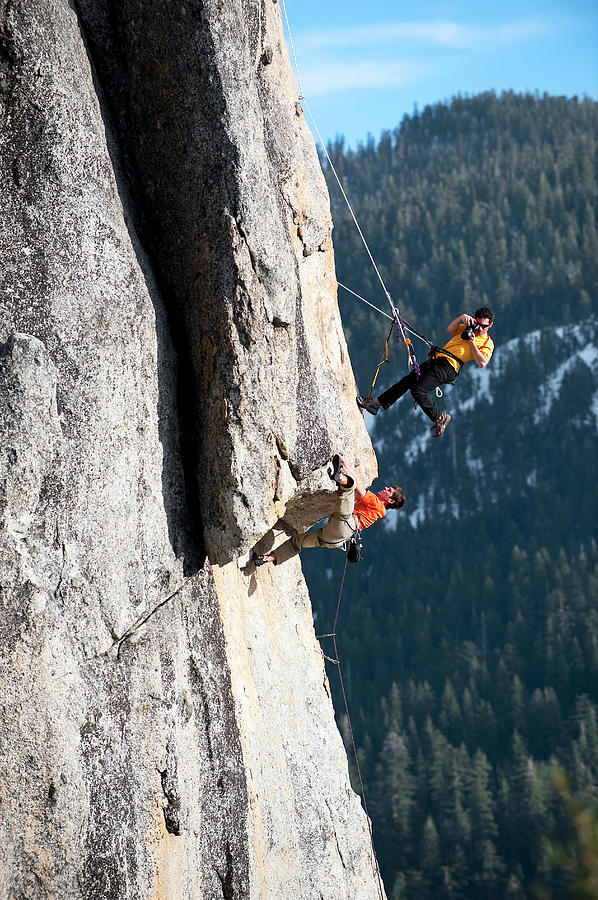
359, 488
478, 356
463, 319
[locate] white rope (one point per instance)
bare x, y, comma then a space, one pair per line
301, 97
363, 300
382, 313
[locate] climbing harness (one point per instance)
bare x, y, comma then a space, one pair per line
433, 350
352, 545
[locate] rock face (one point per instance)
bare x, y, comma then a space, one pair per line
173, 380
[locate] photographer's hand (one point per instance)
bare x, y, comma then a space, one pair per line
463, 319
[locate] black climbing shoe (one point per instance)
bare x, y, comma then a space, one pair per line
258, 560
440, 424
370, 404
337, 469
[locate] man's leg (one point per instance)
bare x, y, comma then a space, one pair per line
433, 374
339, 526
287, 550
333, 534
387, 398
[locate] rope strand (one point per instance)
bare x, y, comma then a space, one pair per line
395, 317
363, 300
336, 661
406, 324
301, 97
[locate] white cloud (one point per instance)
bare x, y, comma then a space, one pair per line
443, 34
340, 76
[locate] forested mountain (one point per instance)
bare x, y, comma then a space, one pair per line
469, 632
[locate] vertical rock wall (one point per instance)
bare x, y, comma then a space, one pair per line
173, 378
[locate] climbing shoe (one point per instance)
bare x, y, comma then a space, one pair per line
440, 424
337, 469
261, 560
370, 404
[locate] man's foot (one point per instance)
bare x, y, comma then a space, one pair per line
440, 424
262, 560
370, 404
338, 473
337, 469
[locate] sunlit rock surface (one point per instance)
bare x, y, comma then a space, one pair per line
173, 381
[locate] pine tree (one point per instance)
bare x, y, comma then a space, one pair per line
490, 630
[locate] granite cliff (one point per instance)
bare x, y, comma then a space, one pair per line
173, 381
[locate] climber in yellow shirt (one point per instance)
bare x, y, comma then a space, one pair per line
470, 341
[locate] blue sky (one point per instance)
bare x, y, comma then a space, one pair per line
364, 65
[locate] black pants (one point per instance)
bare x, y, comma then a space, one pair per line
434, 372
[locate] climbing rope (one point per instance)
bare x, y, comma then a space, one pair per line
363, 300
406, 325
336, 661
402, 326
397, 318
303, 101
432, 348
398, 323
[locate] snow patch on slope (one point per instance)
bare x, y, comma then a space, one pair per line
549, 391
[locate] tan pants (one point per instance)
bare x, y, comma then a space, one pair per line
338, 529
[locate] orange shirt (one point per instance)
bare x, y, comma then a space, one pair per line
461, 349
367, 510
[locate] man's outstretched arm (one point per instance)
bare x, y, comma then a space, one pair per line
359, 487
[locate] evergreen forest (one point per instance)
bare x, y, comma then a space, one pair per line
468, 634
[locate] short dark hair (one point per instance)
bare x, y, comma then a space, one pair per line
484, 312
398, 497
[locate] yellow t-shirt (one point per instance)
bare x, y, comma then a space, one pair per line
461, 349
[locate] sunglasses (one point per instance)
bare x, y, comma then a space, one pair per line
484, 324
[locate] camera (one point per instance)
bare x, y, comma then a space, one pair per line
470, 330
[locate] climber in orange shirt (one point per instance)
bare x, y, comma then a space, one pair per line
355, 509
470, 341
